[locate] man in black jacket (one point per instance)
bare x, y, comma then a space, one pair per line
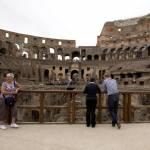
91, 89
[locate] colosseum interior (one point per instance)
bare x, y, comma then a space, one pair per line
123, 48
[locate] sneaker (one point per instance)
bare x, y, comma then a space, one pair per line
14, 125
3, 127
118, 125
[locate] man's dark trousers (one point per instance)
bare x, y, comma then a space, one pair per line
113, 100
90, 114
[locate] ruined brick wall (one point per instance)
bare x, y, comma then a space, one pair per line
120, 46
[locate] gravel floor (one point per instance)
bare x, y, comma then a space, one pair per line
76, 137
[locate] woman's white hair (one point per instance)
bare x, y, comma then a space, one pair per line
10, 75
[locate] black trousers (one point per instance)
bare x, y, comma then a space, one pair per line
90, 113
113, 100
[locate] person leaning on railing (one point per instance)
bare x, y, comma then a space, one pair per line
111, 88
9, 90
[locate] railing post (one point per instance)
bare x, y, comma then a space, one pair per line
41, 100
129, 108
70, 107
100, 99
73, 107
125, 108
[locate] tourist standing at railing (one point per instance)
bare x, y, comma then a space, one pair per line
9, 90
91, 89
110, 86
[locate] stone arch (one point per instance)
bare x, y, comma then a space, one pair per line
51, 50
74, 74
112, 50
60, 76
35, 51
59, 57
67, 57
17, 46
25, 54
89, 57
44, 53
52, 53
75, 54
96, 57
60, 51
83, 52
103, 55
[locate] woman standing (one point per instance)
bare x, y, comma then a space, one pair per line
9, 90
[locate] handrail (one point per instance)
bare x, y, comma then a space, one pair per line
71, 107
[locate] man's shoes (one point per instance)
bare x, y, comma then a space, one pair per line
118, 125
14, 125
93, 125
113, 124
3, 127
88, 125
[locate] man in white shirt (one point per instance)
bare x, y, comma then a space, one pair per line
110, 86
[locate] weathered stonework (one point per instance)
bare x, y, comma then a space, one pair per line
123, 48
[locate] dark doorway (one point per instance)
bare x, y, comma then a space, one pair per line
46, 75
82, 73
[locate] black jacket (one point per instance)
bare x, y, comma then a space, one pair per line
91, 89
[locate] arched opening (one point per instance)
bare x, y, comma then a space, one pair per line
96, 57
130, 75
138, 74
83, 52
51, 50
84, 58
25, 40
25, 54
2, 51
89, 57
67, 57
75, 54
75, 59
17, 45
35, 51
44, 53
74, 75
35, 56
44, 56
59, 43
59, 51
139, 54
60, 76
59, 57
122, 75
46, 75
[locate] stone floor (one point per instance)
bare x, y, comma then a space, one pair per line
76, 137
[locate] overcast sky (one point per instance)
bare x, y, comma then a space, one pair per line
80, 20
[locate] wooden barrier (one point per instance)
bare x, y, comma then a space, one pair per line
71, 107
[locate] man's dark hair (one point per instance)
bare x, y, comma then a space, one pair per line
92, 80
